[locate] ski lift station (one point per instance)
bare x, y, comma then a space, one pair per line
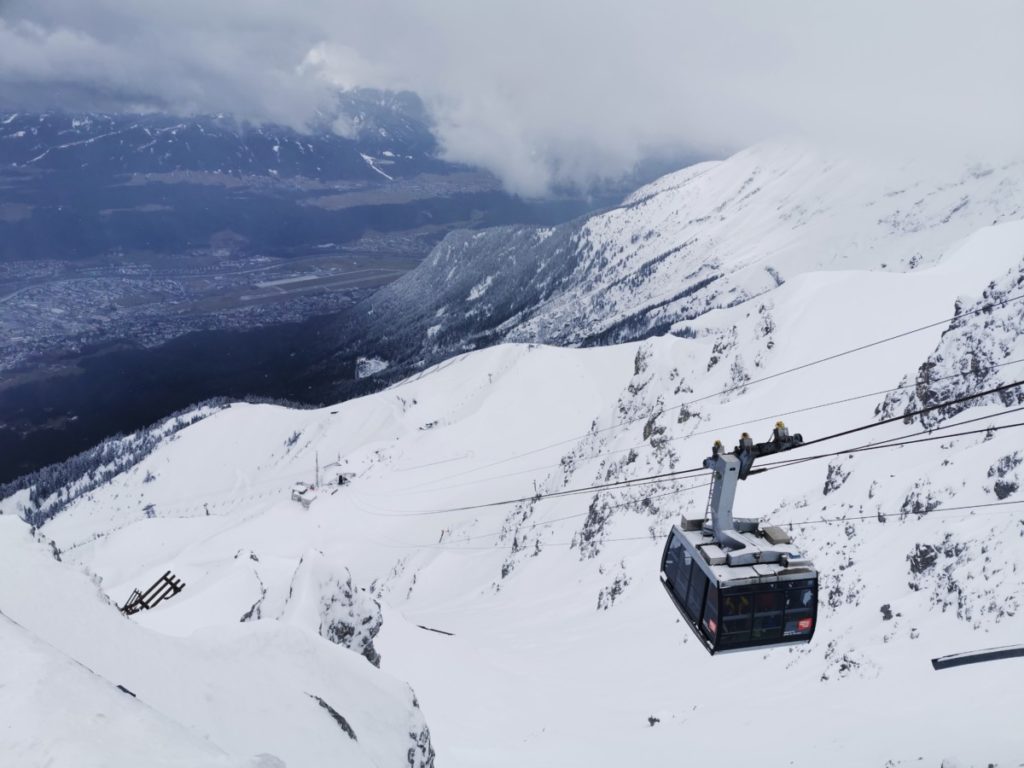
304, 493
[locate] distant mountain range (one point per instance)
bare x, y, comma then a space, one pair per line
76, 186
387, 130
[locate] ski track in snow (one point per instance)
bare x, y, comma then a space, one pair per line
531, 671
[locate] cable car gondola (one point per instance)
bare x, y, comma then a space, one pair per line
738, 585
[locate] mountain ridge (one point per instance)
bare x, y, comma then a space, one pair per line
709, 236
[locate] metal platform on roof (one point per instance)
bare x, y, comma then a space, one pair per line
715, 560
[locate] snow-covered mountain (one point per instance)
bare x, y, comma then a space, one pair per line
86, 185
536, 632
713, 235
372, 135
76, 186
85, 686
92, 185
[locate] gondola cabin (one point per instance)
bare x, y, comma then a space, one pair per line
732, 608
737, 584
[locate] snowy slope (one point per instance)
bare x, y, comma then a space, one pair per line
46, 695
710, 236
230, 689
764, 216
556, 644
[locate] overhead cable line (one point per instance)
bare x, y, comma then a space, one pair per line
902, 440
937, 512
803, 366
647, 479
553, 520
919, 412
711, 430
966, 510
880, 446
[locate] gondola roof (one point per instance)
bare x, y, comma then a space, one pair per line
714, 559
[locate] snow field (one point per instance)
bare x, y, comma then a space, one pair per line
230, 689
563, 649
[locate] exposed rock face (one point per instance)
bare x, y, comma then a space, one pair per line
1005, 473
351, 618
973, 578
975, 354
421, 751
323, 597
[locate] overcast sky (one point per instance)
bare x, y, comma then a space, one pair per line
551, 90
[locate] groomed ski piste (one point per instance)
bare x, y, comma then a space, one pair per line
537, 632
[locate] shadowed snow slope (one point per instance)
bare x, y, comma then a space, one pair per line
557, 645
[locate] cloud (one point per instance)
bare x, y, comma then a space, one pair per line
542, 91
